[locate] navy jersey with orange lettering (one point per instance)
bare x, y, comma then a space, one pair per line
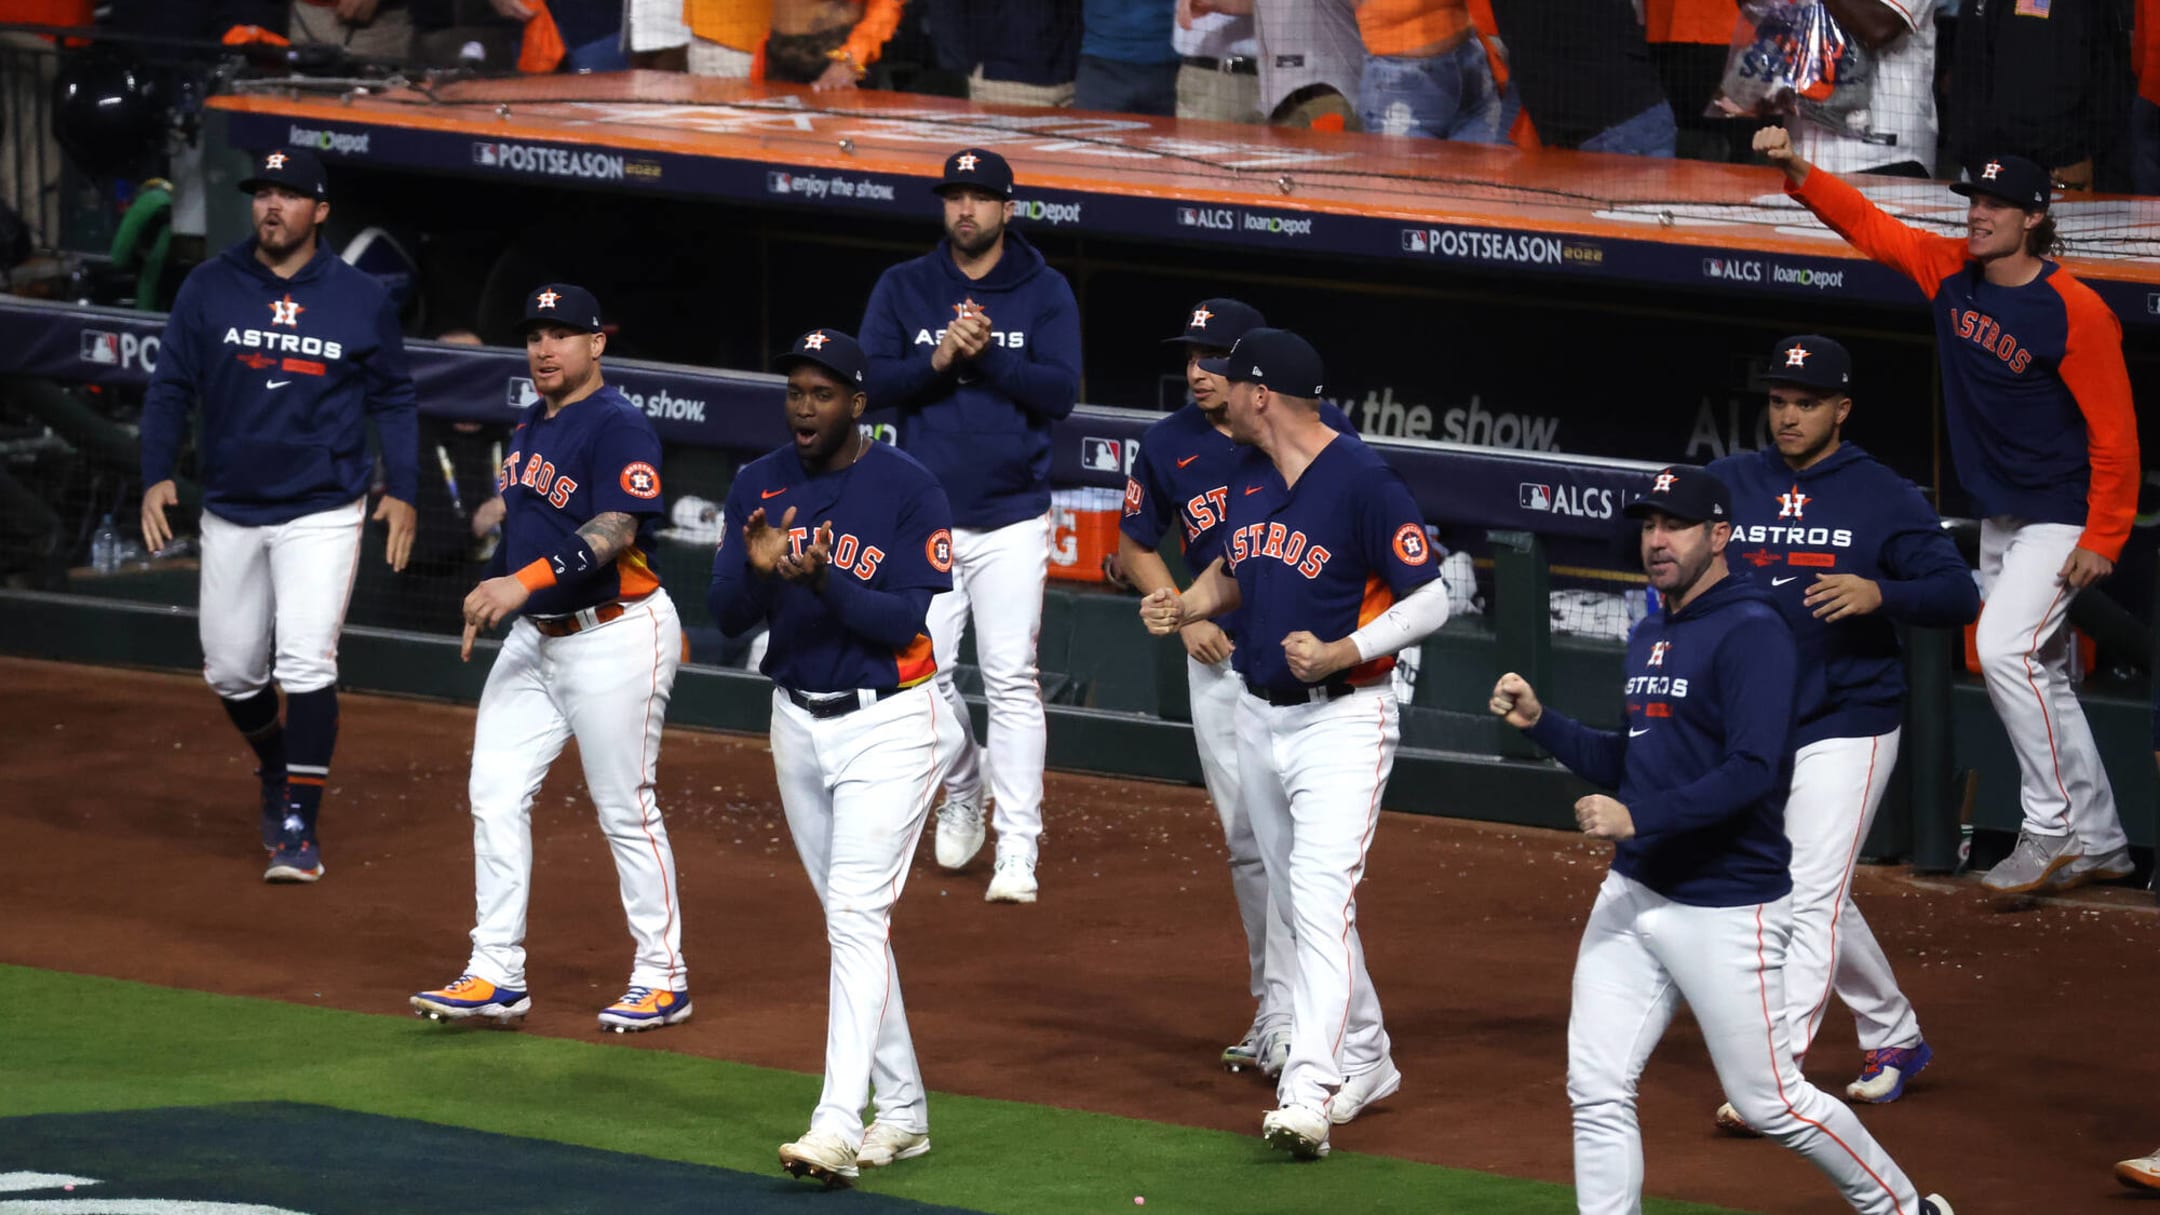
594, 456
1326, 555
891, 552
1183, 471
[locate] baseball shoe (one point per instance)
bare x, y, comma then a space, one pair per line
1884, 1073
960, 831
2094, 867
470, 997
1359, 1092
643, 1008
821, 1156
884, 1143
2031, 863
296, 858
1014, 879
276, 802
1935, 1204
1299, 1130
1275, 1051
1243, 1053
2142, 1173
1729, 1121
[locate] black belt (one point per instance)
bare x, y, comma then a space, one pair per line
838, 704
1315, 694
1236, 65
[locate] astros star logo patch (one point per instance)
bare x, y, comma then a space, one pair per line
968, 161
1790, 505
1988, 172
815, 341
641, 480
285, 311
1200, 318
1657, 653
1797, 356
1663, 484
966, 308
275, 160
547, 298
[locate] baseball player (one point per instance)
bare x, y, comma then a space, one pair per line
1847, 548
1698, 905
290, 353
978, 344
2045, 438
1327, 556
592, 656
1182, 476
843, 544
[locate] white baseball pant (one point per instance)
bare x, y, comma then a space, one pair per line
1270, 945
285, 584
2024, 650
1837, 787
1311, 777
857, 790
1641, 955
608, 687
998, 581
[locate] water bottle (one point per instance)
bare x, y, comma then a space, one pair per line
105, 546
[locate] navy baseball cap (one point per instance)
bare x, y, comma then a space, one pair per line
977, 167
832, 350
2014, 179
296, 169
1684, 492
561, 304
1218, 323
1811, 361
1277, 358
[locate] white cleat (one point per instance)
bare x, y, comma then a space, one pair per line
1014, 880
1299, 1130
884, 1143
821, 1156
960, 832
1360, 1091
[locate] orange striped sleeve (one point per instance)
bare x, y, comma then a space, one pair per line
2093, 370
1920, 256
915, 664
1378, 599
867, 42
635, 574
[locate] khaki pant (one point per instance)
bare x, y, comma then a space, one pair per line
1218, 96
387, 36
1008, 92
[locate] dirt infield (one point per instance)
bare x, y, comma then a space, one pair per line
127, 848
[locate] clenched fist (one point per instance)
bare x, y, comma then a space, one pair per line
1515, 702
1776, 144
1602, 818
1162, 611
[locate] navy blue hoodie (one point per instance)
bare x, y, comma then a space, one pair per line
1846, 514
1704, 764
288, 372
982, 426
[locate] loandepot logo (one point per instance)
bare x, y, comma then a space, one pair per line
552, 162
1801, 276
1046, 212
337, 143
1278, 225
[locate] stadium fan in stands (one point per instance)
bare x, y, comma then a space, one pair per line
827, 44
2047, 82
1426, 72
1127, 62
656, 34
1895, 134
480, 34
1311, 59
1689, 42
371, 29
725, 36
1219, 64
1014, 52
2145, 107
1586, 80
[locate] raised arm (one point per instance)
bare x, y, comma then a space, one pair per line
1920, 256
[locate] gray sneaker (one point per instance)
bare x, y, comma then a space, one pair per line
2094, 867
2031, 863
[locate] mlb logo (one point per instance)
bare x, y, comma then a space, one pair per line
1102, 455
486, 154
1188, 217
2152, 303
101, 347
776, 183
1415, 240
521, 392
1531, 496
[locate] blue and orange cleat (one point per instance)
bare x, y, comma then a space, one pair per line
470, 997
643, 1008
1884, 1073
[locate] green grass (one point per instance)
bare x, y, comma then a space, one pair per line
74, 1044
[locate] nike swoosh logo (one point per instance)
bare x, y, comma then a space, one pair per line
1187, 460
1637, 733
277, 383
1250, 490
771, 493
1783, 581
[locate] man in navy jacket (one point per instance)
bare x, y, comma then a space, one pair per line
1698, 906
1847, 547
290, 354
978, 344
